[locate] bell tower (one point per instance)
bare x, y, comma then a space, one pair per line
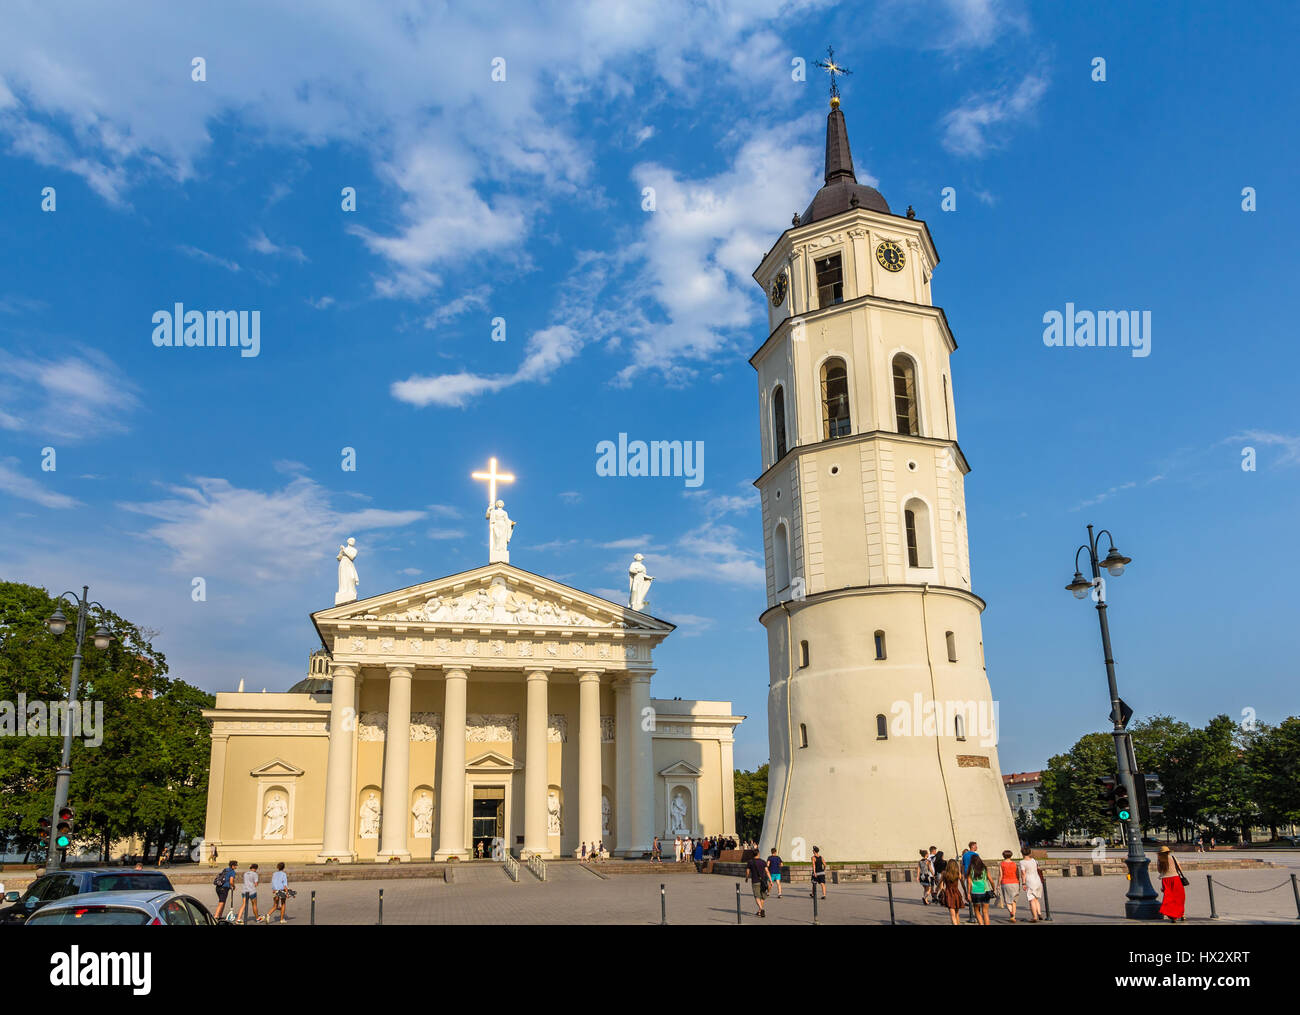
881, 723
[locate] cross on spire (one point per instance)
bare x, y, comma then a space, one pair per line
832, 68
492, 477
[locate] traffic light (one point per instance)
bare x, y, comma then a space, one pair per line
1150, 796
1106, 790
63, 832
1122, 806
43, 832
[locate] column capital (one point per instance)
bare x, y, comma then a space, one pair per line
538, 673
588, 675
455, 672
398, 670
343, 670
639, 677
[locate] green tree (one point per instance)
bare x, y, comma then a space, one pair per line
1273, 763
1069, 796
148, 775
751, 802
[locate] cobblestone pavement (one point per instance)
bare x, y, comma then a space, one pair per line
483, 894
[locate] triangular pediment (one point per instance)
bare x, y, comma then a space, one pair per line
680, 770
495, 596
277, 767
491, 761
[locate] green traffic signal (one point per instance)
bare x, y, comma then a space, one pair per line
1124, 815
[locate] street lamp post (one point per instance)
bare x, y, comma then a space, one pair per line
1143, 903
57, 624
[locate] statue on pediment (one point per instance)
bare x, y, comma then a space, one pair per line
638, 583
500, 529
348, 578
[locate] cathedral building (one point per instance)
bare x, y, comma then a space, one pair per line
881, 723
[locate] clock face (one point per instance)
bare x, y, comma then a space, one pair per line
779, 287
890, 256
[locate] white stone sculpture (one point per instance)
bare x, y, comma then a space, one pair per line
370, 811
500, 529
677, 813
347, 573
604, 816
423, 812
276, 814
552, 813
491, 728
638, 583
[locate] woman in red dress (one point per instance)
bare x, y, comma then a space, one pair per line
1171, 883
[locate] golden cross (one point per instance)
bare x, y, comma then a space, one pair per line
492, 476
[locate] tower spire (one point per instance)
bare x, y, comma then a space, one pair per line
839, 160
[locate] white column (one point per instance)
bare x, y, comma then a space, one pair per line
536, 757
451, 802
338, 767
397, 767
588, 758
216, 793
643, 773
622, 767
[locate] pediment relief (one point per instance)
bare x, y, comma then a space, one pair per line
495, 596
491, 761
680, 770
277, 767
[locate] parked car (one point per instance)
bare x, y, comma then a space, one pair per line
59, 885
124, 909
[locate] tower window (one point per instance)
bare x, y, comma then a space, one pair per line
880, 644
959, 727
781, 558
778, 422
882, 728
803, 654
835, 399
830, 281
952, 646
916, 520
803, 734
905, 414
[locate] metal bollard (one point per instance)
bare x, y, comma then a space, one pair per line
1209, 878
816, 921
381, 907
313, 907
889, 887
1296, 892
738, 902
663, 906
1047, 906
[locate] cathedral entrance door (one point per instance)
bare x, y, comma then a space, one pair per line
488, 821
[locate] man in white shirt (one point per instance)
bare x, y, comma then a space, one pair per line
250, 895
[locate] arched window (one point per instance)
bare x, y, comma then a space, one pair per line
803, 653
835, 399
959, 727
803, 734
882, 728
781, 557
880, 644
916, 520
905, 411
951, 639
778, 422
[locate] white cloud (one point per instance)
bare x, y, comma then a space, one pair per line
79, 397
711, 552
1288, 445
474, 299
975, 127
16, 484
203, 255
213, 528
262, 244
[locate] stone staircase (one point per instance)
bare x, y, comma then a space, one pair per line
613, 867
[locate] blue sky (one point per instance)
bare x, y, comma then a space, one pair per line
521, 199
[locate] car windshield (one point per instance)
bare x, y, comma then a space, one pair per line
119, 916
131, 882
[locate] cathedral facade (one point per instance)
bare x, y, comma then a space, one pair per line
881, 723
489, 712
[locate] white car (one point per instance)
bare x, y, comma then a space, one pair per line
124, 909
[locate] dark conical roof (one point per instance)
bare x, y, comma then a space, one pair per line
841, 187
313, 685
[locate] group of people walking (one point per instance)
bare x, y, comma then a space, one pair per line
687, 848
763, 873
970, 882
224, 883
